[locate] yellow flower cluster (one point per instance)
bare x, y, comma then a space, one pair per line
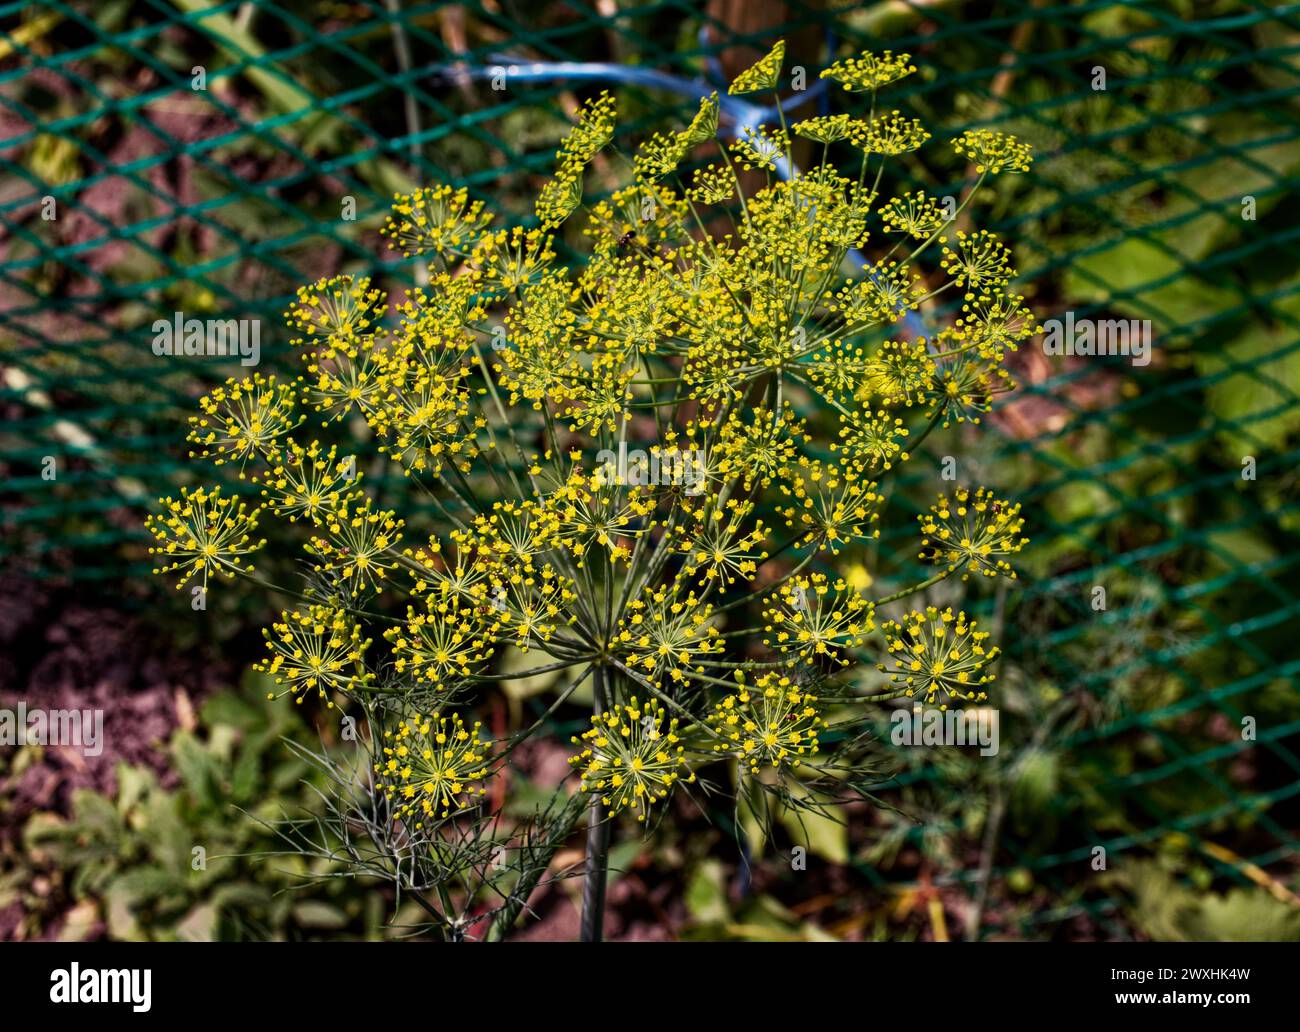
321, 649
595, 450
243, 420
993, 152
432, 767
632, 757
763, 74
814, 618
891, 134
939, 656
562, 195
773, 724
972, 532
869, 72
202, 533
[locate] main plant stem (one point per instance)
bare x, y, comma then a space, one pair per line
593, 886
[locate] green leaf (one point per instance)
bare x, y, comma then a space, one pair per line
315, 914
706, 893
822, 834
197, 768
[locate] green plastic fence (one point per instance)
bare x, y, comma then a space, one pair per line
1167, 195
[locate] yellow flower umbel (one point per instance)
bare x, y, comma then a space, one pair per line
899, 373
762, 74
719, 543
868, 72
335, 313
437, 220
938, 655
992, 152
773, 724
760, 448
203, 533
965, 382
834, 506
311, 482
432, 767
445, 641
914, 213
320, 649
632, 757
891, 134
825, 128
360, 544
972, 533
243, 420
981, 263
593, 447
665, 636
813, 618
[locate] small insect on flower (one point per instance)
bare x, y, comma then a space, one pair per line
432, 767
718, 544
320, 649
203, 533
632, 756
938, 655
972, 533
772, 724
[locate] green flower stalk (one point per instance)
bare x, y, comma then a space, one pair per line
659, 471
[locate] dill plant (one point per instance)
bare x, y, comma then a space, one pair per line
698, 590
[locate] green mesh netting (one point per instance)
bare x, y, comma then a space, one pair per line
1161, 197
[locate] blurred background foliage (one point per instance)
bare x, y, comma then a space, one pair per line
1121, 729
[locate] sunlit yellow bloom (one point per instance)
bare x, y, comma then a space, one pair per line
938, 656
632, 757
972, 532
772, 724
318, 650
433, 766
203, 533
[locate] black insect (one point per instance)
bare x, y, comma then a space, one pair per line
626, 241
